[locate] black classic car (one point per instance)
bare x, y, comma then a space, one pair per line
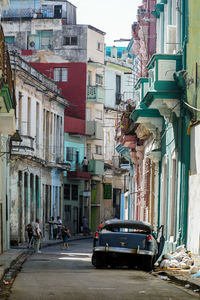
130, 243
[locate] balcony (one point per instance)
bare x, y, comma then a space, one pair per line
95, 130
125, 125
25, 147
96, 167
141, 88
95, 94
13, 12
80, 175
164, 93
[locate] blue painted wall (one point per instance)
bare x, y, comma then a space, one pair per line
78, 144
122, 207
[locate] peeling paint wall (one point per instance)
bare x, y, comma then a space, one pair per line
193, 96
36, 180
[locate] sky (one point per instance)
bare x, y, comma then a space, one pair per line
114, 17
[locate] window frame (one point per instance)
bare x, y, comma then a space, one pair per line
97, 148
69, 153
60, 76
74, 192
70, 40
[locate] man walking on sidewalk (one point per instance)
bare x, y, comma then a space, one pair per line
36, 236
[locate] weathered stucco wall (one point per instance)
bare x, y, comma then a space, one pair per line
194, 193
193, 97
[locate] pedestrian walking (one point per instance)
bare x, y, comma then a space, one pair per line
59, 222
37, 234
86, 229
29, 230
65, 236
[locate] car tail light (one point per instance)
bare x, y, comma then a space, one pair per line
96, 235
149, 238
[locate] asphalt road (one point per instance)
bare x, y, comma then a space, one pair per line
57, 274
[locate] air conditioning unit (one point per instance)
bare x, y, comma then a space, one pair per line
31, 43
171, 39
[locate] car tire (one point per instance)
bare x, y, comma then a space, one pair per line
99, 260
148, 263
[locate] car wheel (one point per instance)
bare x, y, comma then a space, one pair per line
148, 263
99, 260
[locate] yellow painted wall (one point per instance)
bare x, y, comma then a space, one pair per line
193, 55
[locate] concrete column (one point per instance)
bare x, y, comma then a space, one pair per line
38, 197
21, 212
28, 198
34, 198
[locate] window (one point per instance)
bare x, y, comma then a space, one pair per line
100, 46
77, 157
69, 155
98, 149
67, 213
46, 39
74, 192
98, 114
61, 74
107, 191
9, 39
88, 151
88, 114
58, 11
67, 191
118, 89
29, 116
70, 40
89, 77
99, 79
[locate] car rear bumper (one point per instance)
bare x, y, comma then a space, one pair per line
108, 249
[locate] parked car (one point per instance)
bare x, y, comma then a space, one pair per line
130, 243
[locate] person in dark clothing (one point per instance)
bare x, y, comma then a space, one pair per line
85, 164
65, 233
29, 230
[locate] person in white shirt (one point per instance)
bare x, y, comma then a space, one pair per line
36, 236
59, 222
85, 164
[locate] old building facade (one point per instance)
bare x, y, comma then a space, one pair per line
36, 170
7, 132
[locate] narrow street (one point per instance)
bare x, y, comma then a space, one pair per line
69, 274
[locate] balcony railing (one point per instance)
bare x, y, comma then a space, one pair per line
27, 144
95, 94
26, 13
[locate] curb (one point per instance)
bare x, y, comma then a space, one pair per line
183, 282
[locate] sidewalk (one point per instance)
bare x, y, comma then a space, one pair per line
181, 277
11, 256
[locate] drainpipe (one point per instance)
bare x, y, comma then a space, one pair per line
159, 185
